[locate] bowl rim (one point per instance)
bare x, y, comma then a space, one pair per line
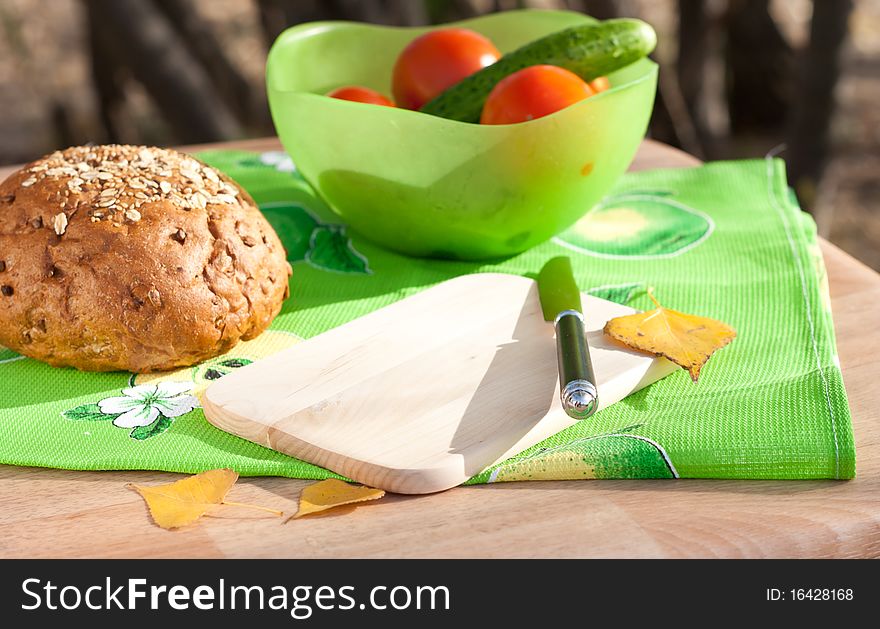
319, 26
308, 29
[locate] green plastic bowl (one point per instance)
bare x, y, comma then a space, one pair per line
427, 186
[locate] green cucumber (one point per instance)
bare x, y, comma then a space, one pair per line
590, 51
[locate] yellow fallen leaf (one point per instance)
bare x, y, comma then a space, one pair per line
332, 493
687, 340
183, 502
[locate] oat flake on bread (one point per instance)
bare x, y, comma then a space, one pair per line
133, 258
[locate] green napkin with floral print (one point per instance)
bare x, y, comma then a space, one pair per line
724, 240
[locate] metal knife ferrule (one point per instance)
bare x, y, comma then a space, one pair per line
565, 313
580, 399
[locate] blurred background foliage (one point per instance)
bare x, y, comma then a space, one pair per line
739, 78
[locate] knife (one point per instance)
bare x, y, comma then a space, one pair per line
561, 303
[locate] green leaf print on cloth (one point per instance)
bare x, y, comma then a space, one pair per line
618, 293
332, 251
323, 246
88, 412
151, 430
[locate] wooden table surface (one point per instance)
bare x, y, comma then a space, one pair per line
55, 513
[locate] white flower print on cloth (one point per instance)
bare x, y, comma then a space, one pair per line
147, 409
141, 406
280, 160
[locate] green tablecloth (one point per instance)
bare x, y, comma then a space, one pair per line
725, 240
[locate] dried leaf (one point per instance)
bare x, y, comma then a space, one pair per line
687, 340
332, 493
183, 502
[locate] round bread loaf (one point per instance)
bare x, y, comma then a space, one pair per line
133, 258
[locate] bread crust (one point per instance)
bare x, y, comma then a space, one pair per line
133, 258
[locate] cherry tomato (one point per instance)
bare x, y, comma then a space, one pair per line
600, 84
360, 95
533, 92
436, 61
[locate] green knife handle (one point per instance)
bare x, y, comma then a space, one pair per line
577, 382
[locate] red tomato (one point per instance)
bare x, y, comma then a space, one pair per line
533, 92
436, 61
600, 84
360, 95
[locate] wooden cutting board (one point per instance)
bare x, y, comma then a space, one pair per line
423, 394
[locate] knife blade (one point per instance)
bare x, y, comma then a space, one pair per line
561, 303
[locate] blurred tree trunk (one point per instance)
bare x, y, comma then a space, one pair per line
601, 9
277, 15
440, 11
411, 12
819, 71
693, 27
108, 88
759, 69
246, 102
672, 120
140, 36
695, 31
